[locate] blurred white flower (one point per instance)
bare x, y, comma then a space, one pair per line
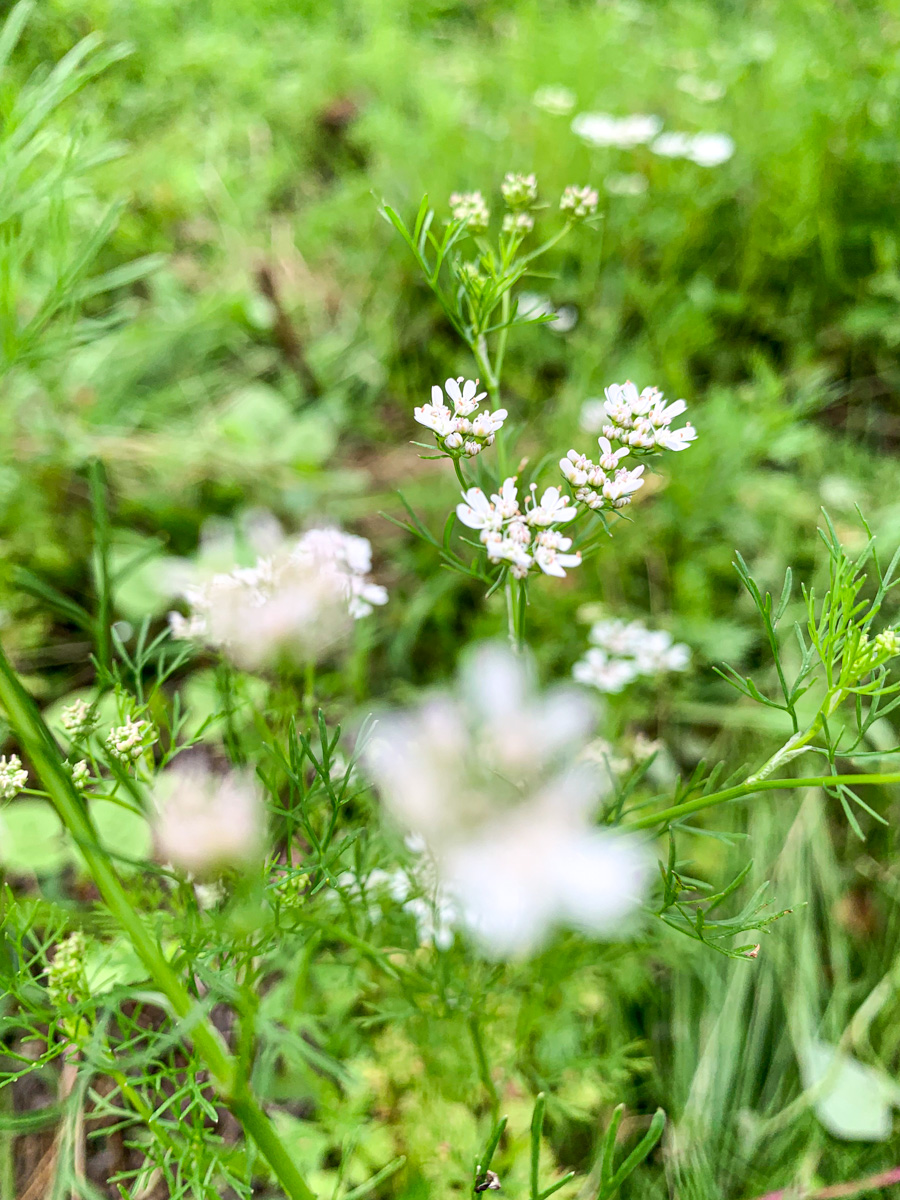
471, 209
579, 202
13, 776
705, 149
518, 222
603, 129
81, 773
299, 599
129, 741
624, 650
460, 430
519, 191
556, 100
633, 184
488, 776
204, 821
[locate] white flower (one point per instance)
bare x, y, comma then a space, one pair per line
129, 741
706, 91
13, 776
520, 222
78, 719
470, 208
602, 485
478, 512
705, 149
81, 774
606, 674
555, 100
553, 508
548, 544
456, 434
519, 191
300, 599
488, 777
603, 129
205, 821
624, 650
643, 420
579, 202
593, 415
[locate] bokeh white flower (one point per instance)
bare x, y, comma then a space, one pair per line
471, 209
299, 599
489, 776
628, 184
603, 129
622, 651
704, 149
519, 191
204, 821
554, 99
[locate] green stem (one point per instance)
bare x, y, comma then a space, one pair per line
484, 1070
748, 789
97, 480
37, 742
459, 475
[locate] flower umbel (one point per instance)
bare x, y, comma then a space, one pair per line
129, 741
519, 191
489, 776
461, 430
521, 537
471, 209
579, 202
13, 776
624, 650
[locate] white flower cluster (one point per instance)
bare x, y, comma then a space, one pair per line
78, 719
579, 202
624, 133
488, 778
203, 821
13, 776
641, 421
129, 741
602, 484
418, 892
301, 598
522, 539
461, 431
518, 222
603, 129
471, 209
80, 772
519, 191
704, 149
622, 651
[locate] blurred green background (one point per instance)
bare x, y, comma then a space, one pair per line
246, 332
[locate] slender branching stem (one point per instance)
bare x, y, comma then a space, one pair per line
38, 743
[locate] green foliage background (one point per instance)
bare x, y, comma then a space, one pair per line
248, 145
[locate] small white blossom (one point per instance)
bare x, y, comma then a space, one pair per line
579, 202
129, 741
203, 821
489, 778
81, 774
299, 599
13, 776
643, 420
554, 99
624, 650
519, 222
505, 529
704, 149
519, 191
599, 488
78, 719
460, 430
706, 91
471, 209
603, 129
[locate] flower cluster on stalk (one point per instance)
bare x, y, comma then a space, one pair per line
460, 430
13, 776
521, 537
301, 598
